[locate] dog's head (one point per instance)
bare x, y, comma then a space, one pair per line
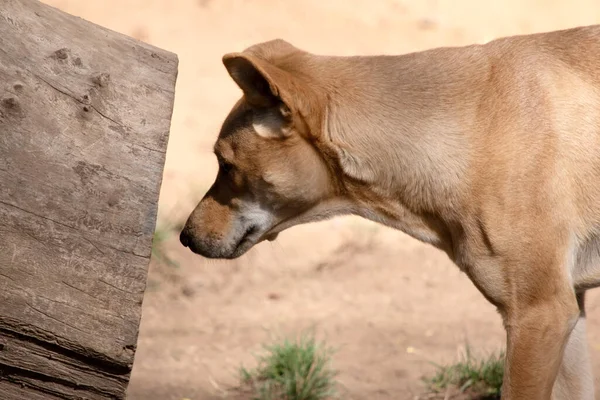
271, 172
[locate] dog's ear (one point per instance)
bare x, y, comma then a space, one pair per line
289, 93
259, 80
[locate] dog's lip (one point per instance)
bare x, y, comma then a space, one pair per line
251, 238
271, 236
246, 241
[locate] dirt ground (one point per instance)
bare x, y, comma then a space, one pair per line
388, 303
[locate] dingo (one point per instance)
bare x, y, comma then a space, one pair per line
489, 152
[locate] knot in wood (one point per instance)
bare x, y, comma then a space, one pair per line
62, 54
101, 79
10, 102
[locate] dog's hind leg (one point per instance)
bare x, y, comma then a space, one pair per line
575, 379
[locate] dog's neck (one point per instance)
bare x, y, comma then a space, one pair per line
401, 126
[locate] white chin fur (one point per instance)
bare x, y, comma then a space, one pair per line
251, 216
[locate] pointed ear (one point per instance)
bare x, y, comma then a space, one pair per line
255, 77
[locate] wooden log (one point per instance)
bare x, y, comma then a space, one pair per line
84, 122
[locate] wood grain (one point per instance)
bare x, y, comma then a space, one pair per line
84, 122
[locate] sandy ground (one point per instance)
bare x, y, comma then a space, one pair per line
388, 303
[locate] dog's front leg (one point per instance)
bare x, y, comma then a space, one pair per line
539, 316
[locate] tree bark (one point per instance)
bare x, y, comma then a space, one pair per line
85, 115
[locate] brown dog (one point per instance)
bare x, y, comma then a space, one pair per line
488, 152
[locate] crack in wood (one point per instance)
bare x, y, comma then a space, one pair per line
64, 303
53, 344
66, 93
93, 244
76, 288
87, 294
37, 215
148, 148
125, 251
7, 277
115, 287
15, 375
130, 252
77, 99
55, 319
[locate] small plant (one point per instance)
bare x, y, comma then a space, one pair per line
480, 378
291, 370
161, 235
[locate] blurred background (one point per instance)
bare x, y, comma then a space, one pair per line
389, 304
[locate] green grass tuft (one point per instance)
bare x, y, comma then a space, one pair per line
480, 377
292, 370
159, 252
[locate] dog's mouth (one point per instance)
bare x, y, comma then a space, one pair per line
248, 239
251, 237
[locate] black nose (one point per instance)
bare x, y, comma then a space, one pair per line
184, 238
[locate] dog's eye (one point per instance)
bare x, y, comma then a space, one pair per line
225, 166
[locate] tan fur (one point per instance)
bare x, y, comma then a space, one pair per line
488, 152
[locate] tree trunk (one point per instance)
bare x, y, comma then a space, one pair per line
84, 122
